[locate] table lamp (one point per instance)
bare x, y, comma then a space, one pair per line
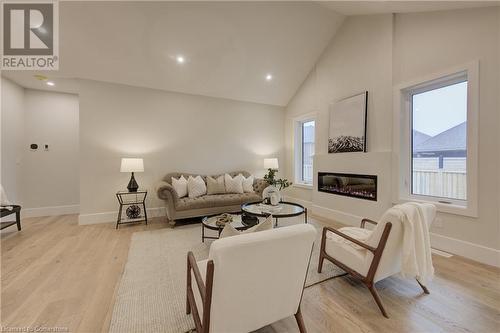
132, 165
271, 163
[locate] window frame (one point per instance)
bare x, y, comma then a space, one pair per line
298, 155
402, 160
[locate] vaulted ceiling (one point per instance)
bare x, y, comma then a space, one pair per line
228, 48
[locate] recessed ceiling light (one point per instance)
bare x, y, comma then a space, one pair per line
180, 59
269, 77
50, 83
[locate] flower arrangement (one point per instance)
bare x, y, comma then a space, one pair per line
280, 184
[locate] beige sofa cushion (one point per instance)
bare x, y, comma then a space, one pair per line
233, 185
216, 200
215, 185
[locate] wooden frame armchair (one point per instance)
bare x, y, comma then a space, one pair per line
228, 294
370, 254
6, 212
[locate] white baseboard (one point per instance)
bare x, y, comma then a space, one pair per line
50, 211
305, 203
483, 254
459, 247
107, 217
336, 215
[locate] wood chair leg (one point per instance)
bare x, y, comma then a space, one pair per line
377, 299
18, 220
424, 288
300, 321
320, 264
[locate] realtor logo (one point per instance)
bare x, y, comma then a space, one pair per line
30, 36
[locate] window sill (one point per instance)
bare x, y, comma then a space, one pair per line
446, 208
302, 185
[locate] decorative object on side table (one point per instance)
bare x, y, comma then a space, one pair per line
133, 202
348, 124
132, 165
272, 193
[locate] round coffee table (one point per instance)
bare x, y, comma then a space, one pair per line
209, 222
281, 210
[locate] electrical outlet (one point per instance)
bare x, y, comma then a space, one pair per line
46, 147
438, 222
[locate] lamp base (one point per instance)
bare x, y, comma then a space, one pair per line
132, 184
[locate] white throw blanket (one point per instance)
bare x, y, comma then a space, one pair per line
416, 255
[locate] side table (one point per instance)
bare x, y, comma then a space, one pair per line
132, 202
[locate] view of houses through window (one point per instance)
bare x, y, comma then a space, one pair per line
439, 141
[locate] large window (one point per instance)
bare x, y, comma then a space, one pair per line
437, 125
439, 140
304, 151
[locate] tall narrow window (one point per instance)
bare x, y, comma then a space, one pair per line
305, 151
439, 140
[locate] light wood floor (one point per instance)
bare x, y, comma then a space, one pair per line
55, 273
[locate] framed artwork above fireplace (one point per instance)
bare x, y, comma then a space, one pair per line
348, 124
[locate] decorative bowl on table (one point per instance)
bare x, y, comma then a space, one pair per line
223, 219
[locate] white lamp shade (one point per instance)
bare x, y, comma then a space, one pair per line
132, 165
271, 163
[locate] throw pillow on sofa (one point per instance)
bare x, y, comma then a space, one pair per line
247, 183
216, 185
233, 185
196, 187
229, 230
180, 186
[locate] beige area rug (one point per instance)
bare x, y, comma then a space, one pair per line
152, 293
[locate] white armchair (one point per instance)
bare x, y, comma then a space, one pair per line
250, 280
369, 255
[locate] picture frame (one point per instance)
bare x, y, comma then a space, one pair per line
348, 118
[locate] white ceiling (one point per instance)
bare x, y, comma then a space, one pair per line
229, 46
381, 7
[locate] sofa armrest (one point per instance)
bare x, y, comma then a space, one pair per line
259, 185
166, 192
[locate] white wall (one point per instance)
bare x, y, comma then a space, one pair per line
377, 52
50, 178
359, 58
12, 129
172, 132
426, 43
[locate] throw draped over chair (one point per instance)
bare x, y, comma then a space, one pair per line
367, 255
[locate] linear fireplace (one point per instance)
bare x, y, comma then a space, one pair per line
351, 185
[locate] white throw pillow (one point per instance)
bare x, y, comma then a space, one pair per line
196, 187
180, 186
247, 184
233, 185
229, 230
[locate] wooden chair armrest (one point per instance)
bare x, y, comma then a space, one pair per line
363, 221
355, 241
192, 265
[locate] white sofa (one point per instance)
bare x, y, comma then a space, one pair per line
250, 280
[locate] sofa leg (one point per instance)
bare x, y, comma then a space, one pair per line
171, 223
375, 295
300, 321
